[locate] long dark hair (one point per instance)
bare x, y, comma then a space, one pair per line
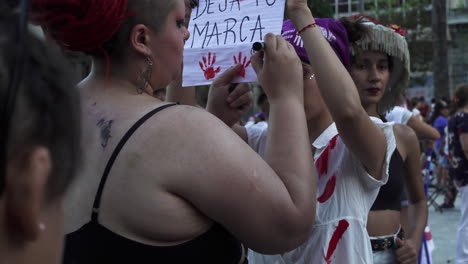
437, 111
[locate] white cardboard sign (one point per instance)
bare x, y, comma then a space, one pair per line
221, 36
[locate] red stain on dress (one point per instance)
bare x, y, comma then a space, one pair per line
329, 190
337, 235
322, 161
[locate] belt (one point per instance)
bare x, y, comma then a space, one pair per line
381, 244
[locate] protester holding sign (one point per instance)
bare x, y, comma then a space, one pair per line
351, 166
369, 68
172, 183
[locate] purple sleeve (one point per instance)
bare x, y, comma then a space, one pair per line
440, 123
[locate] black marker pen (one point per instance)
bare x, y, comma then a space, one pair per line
258, 46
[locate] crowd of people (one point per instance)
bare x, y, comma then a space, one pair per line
109, 169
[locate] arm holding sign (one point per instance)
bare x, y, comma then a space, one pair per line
340, 93
269, 206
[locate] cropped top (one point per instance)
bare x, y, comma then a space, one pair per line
389, 197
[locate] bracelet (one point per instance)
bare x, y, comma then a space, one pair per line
306, 27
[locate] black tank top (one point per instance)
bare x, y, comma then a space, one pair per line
95, 244
389, 197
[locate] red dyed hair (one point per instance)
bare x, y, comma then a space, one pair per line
80, 25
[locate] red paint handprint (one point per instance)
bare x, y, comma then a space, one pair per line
207, 66
245, 64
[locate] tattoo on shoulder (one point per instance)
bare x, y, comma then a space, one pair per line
105, 127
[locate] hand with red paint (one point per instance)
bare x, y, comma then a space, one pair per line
407, 253
244, 64
207, 66
229, 101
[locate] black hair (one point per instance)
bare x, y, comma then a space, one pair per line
355, 28
439, 106
46, 106
413, 103
194, 3
261, 99
461, 96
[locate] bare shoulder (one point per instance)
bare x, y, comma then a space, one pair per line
406, 139
187, 123
182, 138
404, 133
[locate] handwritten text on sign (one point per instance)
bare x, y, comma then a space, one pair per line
221, 36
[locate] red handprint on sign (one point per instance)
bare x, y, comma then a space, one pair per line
245, 64
207, 66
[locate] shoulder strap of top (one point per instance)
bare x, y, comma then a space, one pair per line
97, 199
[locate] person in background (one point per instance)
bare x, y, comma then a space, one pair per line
40, 150
401, 115
439, 121
424, 108
412, 107
352, 180
424, 131
264, 105
458, 148
380, 68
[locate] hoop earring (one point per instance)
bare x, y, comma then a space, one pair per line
145, 76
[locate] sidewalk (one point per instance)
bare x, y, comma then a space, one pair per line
444, 230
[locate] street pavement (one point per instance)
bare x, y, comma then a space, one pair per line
444, 230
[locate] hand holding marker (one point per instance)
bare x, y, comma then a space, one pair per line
258, 46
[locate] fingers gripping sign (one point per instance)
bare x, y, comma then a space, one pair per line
207, 66
229, 101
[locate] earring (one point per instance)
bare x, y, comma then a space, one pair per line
145, 76
42, 227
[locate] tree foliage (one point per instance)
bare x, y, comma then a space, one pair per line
321, 8
415, 17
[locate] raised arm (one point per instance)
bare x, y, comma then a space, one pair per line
269, 205
340, 94
422, 129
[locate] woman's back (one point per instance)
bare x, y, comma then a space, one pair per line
138, 216
135, 193
178, 168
